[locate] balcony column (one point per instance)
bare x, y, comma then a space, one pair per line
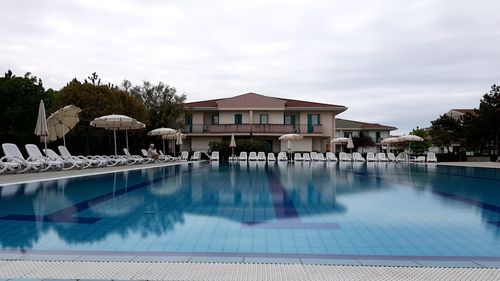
332, 145
251, 121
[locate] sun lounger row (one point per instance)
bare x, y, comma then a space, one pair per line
15, 162
282, 156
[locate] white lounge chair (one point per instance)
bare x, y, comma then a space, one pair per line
185, 155
196, 156
14, 156
314, 156
381, 157
297, 157
35, 153
420, 159
68, 163
370, 157
282, 156
402, 157
261, 156
344, 157
330, 156
431, 157
271, 157
252, 156
306, 157
356, 156
214, 156
66, 155
391, 157
321, 157
243, 156
137, 158
9, 164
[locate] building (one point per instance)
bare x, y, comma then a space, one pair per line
459, 113
261, 117
267, 118
377, 132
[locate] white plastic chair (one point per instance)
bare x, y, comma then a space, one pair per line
214, 156
391, 157
297, 157
243, 156
14, 155
282, 156
381, 157
370, 157
252, 156
321, 157
261, 156
330, 156
356, 156
196, 156
431, 157
343, 157
271, 157
314, 156
306, 157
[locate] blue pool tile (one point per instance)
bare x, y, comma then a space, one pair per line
441, 263
388, 262
330, 261
216, 259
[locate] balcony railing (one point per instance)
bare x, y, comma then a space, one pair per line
255, 128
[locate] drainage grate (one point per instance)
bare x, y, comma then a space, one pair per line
233, 271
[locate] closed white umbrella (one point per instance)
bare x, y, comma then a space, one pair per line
409, 139
163, 132
113, 122
41, 124
232, 145
350, 144
62, 121
178, 140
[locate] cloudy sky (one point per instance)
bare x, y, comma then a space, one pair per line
396, 62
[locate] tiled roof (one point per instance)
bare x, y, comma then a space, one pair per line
464, 110
366, 126
289, 103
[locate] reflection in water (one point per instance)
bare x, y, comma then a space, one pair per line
161, 202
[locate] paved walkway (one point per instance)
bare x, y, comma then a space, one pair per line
472, 164
50, 175
41, 270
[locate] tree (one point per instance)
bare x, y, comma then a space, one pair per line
489, 116
420, 146
446, 131
19, 100
165, 106
362, 140
97, 100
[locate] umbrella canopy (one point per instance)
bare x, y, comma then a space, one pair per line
409, 139
113, 122
350, 144
62, 121
390, 140
164, 133
289, 138
339, 140
41, 124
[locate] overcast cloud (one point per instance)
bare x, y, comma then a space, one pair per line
396, 62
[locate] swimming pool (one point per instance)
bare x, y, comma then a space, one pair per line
423, 214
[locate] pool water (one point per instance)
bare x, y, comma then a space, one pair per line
318, 210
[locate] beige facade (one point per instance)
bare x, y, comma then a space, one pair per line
377, 132
261, 117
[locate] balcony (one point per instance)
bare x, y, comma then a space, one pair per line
254, 128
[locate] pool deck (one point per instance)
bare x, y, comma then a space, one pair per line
44, 267
7, 179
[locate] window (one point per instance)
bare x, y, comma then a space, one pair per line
377, 136
238, 119
312, 120
264, 119
289, 120
215, 119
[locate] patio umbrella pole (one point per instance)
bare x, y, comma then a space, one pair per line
163, 144
114, 134
126, 138
64, 138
